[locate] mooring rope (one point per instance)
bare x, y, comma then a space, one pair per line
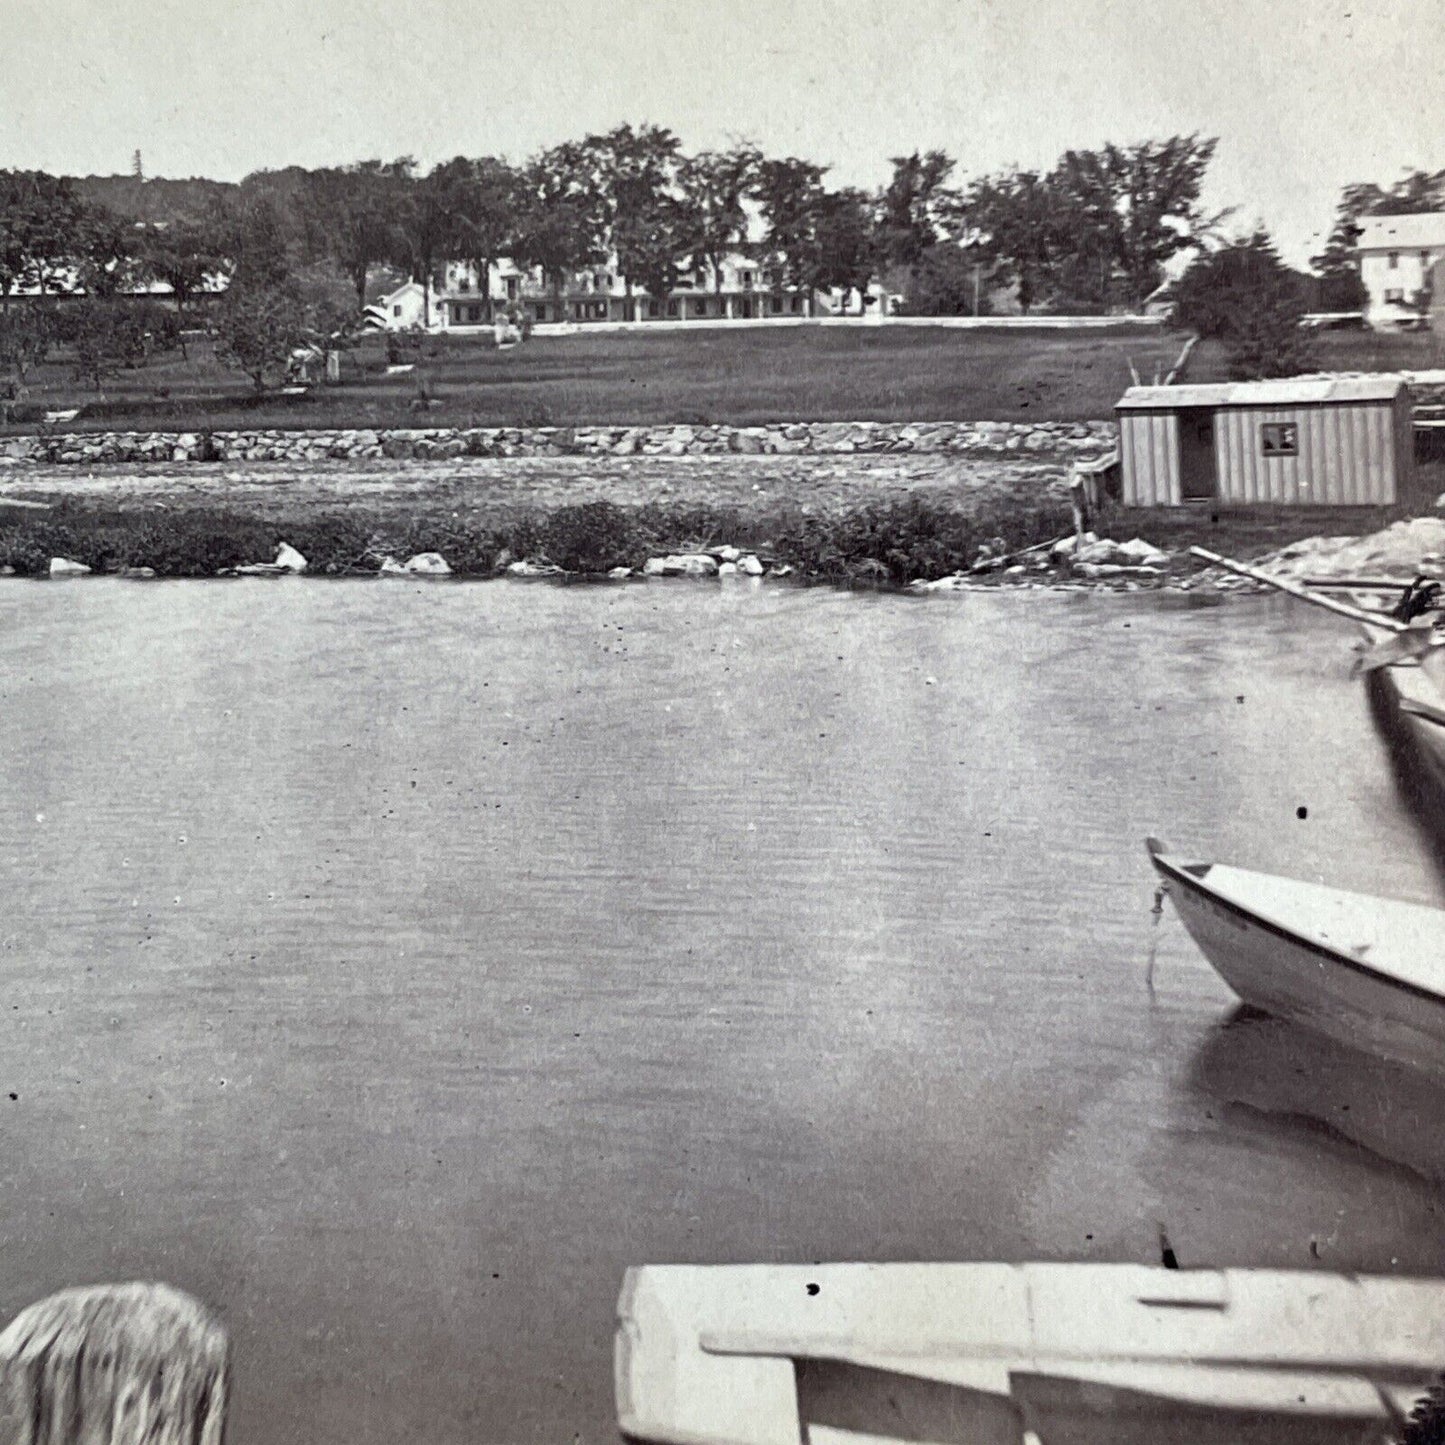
1156, 913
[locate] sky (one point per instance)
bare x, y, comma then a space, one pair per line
1303, 95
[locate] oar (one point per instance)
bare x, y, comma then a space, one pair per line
1343, 609
1368, 584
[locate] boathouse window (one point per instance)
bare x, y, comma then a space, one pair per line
1279, 439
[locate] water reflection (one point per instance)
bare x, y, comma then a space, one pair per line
1291, 1079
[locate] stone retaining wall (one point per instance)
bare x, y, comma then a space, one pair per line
1091, 438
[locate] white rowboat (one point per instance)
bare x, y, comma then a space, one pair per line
1001, 1354
1367, 971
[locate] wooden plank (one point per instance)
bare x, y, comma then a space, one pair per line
1343, 609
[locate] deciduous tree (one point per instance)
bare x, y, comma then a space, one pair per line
106, 252
182, 254
354, 215
917, 208
562, 220
1154, 187
713, 187
25, 336
790, 193
485, 195
1015, 221
640, 179
847, 242
40, 220
258, 326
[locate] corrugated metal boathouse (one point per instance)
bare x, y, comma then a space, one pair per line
1342, 442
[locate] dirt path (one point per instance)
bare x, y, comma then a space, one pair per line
473, 484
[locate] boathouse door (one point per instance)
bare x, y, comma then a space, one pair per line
1198, 472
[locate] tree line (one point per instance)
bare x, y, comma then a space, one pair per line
1095, 231
298, 248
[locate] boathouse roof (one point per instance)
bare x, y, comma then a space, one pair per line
1290, 391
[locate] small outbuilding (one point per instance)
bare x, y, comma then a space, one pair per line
1333, 442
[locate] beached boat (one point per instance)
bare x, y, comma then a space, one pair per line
1368, 971
1408, 695
1000, 1354
1403, 664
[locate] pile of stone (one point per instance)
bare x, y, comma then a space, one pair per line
1403, 550
714, 562
1096, 558
1088, 558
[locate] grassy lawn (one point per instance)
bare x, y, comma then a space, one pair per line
705, 376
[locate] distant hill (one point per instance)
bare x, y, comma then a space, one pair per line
157, 199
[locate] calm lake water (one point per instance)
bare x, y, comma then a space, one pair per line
392, 965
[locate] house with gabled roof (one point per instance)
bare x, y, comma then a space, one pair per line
1399, 261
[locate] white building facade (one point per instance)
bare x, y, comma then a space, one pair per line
1398, 258
460, 299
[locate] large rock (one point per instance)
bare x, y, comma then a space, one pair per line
64, 567
1143, 554
289, 563
427, 564
958, 582
691, 564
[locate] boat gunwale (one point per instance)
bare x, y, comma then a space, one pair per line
1176, 873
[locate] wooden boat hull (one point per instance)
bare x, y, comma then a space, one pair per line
1283, 971
777, 1354
1409, 700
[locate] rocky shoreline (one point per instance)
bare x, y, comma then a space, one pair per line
919, 507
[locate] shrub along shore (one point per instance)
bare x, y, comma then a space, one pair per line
919, 542
887, 543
